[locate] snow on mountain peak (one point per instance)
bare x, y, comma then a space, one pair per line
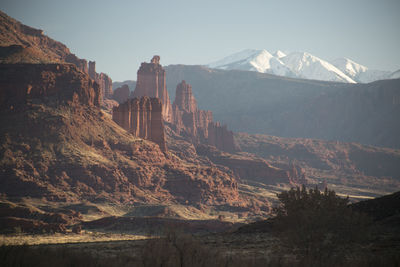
242, 55
300, 65
279, 54
308, 66
349, 67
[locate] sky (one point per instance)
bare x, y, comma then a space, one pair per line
120, 34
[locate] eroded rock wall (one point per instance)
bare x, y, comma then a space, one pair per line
143, 118
151, 82
220, 137
198, 125
21, 83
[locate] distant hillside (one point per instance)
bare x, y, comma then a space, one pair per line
262, 103
131, 84
348, 168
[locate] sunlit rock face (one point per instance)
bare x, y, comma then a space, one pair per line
151, 82
143, 118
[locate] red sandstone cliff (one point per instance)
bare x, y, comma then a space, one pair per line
20, 83
102, 79
143, 118
23, 44
220, 137
184, 98
105, 83
151, 82
197, 125
188, 120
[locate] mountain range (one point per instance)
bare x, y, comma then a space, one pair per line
301, 65
261, 103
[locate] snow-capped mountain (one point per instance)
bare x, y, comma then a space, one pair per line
358, 72
307, 66
395, 75
279, 54
349, 67
300, 65
254, 60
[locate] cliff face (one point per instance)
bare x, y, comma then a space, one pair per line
105, 83
188, 120
23, 44
21, 83
184, 98
220, 137
102, 79
143, 118
197, 124
151, 82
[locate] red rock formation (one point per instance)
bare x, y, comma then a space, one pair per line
121, 94
143, 118
220, 137
184, 98
81, 64
188, 120
92, 70
151, 82
197, 124
102, 79
105, 83
20, 83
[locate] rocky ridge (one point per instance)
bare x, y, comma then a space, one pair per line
22, 83
20, 43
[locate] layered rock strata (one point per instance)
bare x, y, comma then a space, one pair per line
21, 83
143, 118
151, 82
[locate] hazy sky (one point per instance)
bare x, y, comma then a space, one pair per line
119, 35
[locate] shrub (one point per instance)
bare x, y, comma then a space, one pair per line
318, 224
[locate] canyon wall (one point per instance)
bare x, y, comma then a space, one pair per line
151, 82
21, 83
143, 118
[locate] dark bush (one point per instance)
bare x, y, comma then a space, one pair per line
319, 224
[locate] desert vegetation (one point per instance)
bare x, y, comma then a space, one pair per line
309, 228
